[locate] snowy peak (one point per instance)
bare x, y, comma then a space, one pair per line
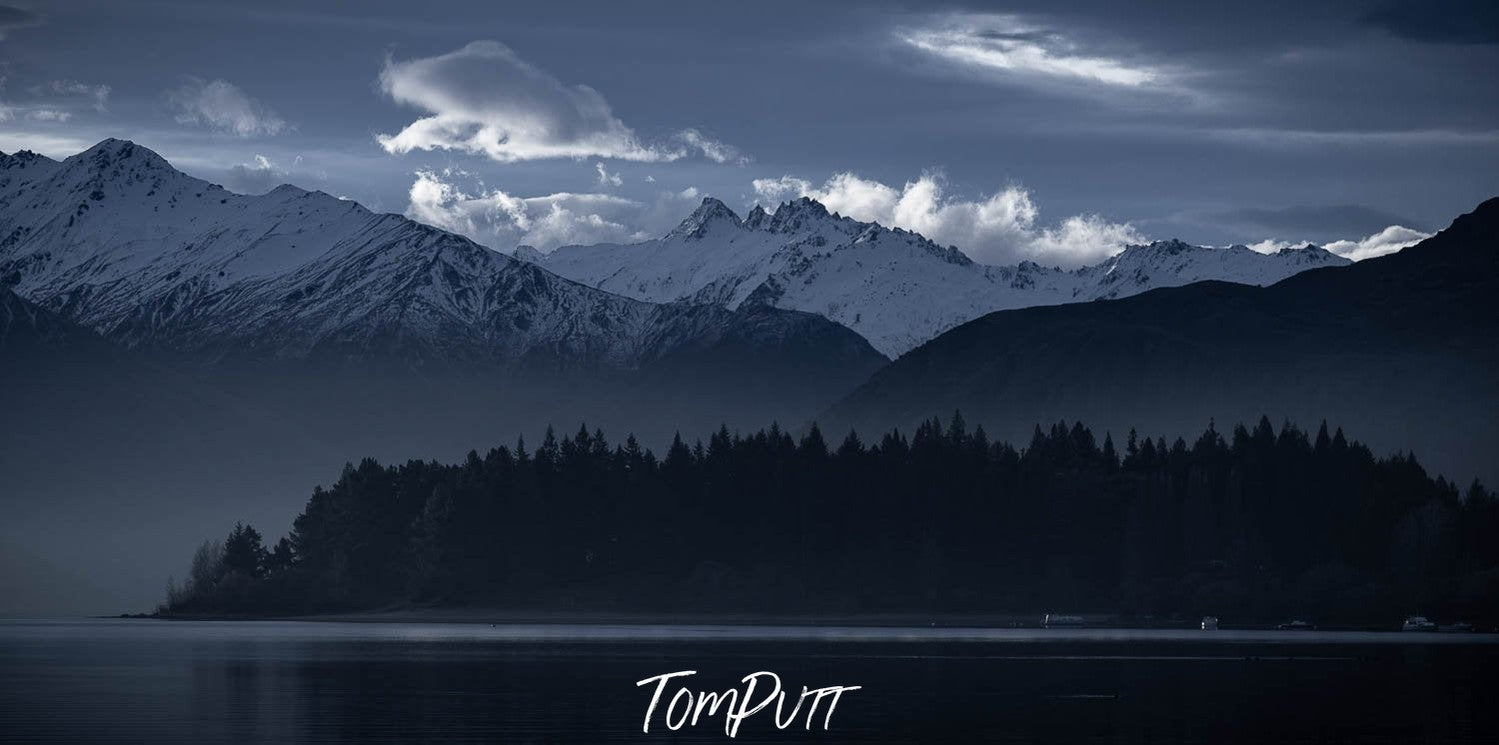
757, 218
797, 215
709, 215
116, 240
111, 152
894, 287
24, 159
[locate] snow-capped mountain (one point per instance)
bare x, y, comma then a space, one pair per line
894, 287
117, 240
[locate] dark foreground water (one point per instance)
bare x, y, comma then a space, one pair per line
190, 682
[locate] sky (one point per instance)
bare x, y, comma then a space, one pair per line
1045, 131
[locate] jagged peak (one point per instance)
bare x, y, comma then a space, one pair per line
22, 159
1171, 245
111, 151
757, 218
802, 206
709, 212
796, 214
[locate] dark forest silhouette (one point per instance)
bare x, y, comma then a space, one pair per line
1258, 524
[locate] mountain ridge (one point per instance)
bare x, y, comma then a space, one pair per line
118, 240
1399, 347
892, 286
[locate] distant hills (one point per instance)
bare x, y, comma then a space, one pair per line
1401, 349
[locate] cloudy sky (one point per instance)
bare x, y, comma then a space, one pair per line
1022, 130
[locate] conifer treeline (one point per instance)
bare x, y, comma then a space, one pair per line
1260, 524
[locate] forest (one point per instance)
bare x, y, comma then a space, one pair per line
1256, 525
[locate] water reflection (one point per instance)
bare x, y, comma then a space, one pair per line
144, 681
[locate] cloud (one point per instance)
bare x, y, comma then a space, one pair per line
56, 101
1324, 220
44, 140
1386, 241
484, 99
98, 94
1008, 45
503, 221
1433, 21
711, 149
605, 177
999, 229
263, 174
1375, 138
223, 107
12, 18
49, 115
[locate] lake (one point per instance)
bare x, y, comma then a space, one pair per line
270, 681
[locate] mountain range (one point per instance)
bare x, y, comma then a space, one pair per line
1400, 349
894, 287
174, 355
119, 241
153, 318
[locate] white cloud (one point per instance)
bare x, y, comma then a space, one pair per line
999, 229
484, 99
264, 174
98, 94
1386, 241
605, 177
711, 149
49, 115
1008, 45
503, 221
222, 106
55, 101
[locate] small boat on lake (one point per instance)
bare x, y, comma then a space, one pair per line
1297, 625
1053, 621
1209, 623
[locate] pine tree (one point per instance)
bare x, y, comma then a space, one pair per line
243, 552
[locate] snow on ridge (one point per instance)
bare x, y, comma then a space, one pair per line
117, 239
894, 287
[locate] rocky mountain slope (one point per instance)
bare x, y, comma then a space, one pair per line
119, 241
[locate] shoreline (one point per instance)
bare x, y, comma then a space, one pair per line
508, 617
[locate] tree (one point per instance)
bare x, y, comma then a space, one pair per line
243, 552
281, 559
207, 569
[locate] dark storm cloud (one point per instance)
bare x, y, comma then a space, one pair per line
1459, 22
12, 18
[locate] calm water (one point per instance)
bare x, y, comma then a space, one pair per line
151, 681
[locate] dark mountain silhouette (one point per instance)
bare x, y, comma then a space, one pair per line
1400, 348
